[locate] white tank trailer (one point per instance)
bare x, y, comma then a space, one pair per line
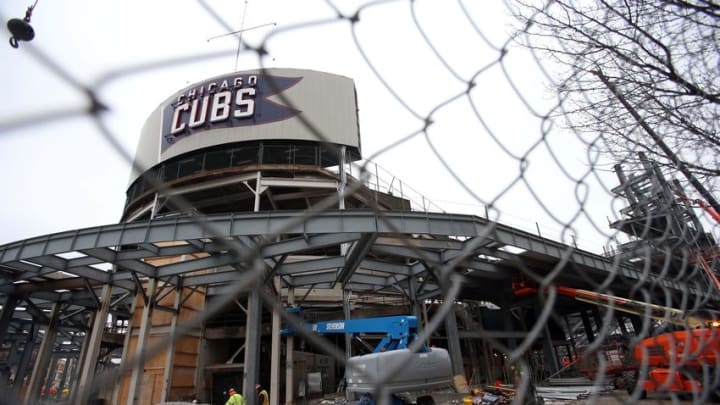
419, 371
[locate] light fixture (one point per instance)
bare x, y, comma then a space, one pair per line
21, 29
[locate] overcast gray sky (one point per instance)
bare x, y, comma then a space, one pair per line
63, 174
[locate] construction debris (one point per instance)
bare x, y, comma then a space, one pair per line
570, 389
489, 396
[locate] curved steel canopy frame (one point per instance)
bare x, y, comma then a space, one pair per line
384, 249
408, 254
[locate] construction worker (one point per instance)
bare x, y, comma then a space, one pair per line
263, 398
235, 398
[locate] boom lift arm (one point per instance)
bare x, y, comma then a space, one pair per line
635, 307
400, 331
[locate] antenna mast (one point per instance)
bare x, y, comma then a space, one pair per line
240, 32
242, 26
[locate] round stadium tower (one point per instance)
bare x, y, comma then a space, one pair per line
247, 141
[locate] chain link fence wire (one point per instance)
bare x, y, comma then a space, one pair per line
527, 114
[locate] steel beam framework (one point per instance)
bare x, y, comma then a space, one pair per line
403, 254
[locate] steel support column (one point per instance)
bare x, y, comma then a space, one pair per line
258, 191
425, 320
252, 347
416, 307
139, 358
170, 355
253, 324
343, 178
289, 358
199, 377
348, 340
487, 359
454, 343
275, 349
126, 346
347, 315
571, 337
508, 325
24, 360
587, 326
77, 367
7, 314
549, 356
43, 357
87, 367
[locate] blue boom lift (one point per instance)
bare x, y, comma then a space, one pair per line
426, 369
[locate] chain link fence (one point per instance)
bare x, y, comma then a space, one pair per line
507, 112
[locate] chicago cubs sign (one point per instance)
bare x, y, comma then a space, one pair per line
250, 106
226, 102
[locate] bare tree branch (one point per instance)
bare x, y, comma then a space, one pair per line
660, 56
